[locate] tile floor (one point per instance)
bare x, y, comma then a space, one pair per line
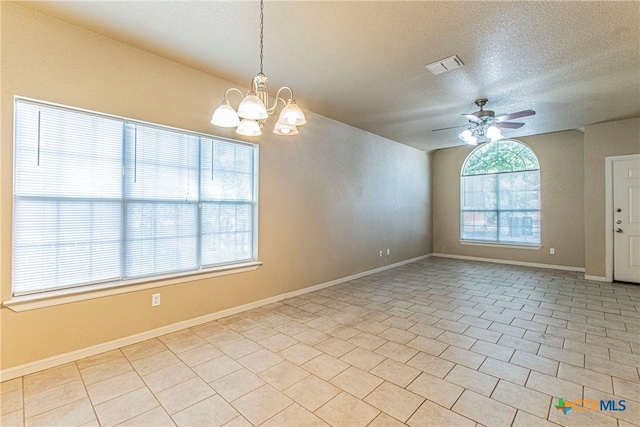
438, 342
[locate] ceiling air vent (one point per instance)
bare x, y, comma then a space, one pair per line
445, 65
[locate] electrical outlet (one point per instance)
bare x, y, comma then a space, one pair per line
388, 252
155, 300
381, 253
552, 251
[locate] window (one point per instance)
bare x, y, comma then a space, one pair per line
500, 194
101, 199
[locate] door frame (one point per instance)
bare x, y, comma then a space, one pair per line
608, 233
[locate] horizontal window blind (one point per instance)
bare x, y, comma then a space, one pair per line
104, 199
501, 207
227, 189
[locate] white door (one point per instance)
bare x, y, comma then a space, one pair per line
626, 220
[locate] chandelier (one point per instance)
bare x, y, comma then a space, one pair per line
254, 109
479, 133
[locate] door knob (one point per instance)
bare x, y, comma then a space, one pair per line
618, 230
618, 210
619, 221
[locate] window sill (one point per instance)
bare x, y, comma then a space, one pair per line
67, 296
500, 245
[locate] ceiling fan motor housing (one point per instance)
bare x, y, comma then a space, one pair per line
482, 114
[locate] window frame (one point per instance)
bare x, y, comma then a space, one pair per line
53, 296
498, 210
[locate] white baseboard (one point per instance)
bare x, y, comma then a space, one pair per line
353, 277
596, 278
72, 356
506, 261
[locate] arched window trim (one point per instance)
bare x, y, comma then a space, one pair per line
524, 147
508, 226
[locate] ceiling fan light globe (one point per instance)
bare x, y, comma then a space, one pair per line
225, 116
469, 137
252, 108
493, 133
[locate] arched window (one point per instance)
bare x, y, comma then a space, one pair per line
500, 194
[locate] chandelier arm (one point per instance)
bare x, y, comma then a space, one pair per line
271, 109
283, 88
226, 94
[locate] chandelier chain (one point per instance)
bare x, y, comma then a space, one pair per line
261, 32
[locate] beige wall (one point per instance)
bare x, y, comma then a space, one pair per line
560, 156
600, 141
330, 198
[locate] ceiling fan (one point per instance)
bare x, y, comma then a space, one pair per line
484, 126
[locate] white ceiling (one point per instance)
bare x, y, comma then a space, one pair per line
363, 62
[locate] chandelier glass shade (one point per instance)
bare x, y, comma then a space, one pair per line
254, 109
292, 115
249, 127
281, 129
225, 116
480, 133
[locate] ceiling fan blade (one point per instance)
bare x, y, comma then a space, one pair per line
517, 115
509, 125
472, 118
452, 127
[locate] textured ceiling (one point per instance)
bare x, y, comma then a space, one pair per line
363, 62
